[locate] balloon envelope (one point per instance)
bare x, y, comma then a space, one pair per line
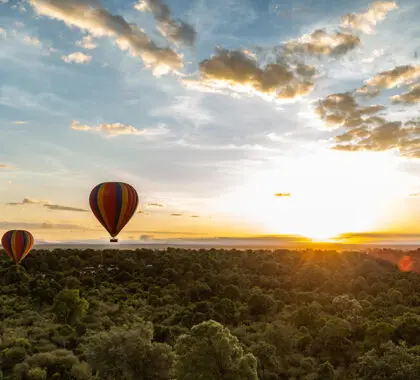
17, 244
113, 204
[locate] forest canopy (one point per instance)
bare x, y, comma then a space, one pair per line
209, 314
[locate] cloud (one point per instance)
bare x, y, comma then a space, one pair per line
20, 122
390, 135
116, 129
29, 40
152, 204
320, 42
87, 43
395, 77
257, 241
282, 195
77, 57
194, 216
6, 225
414, 195
410, 97
176, 31
238, 70
6, 166
146, 237
27, 201
64, 208
91, 16
175, 214
341, 109
365, 130
366, 21
391, 236
289, 77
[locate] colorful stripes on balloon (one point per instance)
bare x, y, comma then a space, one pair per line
113, 204
17, 244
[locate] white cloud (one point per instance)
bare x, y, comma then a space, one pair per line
77, 57
366, 21
115, 129
91, 16
87, 43
29, 40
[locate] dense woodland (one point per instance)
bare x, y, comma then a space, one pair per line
207, 315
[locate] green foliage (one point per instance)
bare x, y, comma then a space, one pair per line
69, 307
390, 361
129, 353
211, 352
175, 313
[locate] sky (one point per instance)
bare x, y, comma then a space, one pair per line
231, 118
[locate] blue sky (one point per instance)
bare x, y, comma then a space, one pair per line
210, 108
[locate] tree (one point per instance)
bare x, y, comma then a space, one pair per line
259, 303
129, 354
57, 364
211, 352
326, 372
408, 329
389, 362
69, 307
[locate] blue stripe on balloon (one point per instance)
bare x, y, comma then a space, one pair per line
118, 203
25, 241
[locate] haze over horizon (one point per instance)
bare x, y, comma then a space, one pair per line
233, 119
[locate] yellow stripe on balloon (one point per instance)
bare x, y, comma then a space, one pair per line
124, 205
100, 199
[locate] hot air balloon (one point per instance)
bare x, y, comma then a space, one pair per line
17, 244
113, 204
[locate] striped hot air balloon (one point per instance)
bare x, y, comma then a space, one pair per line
17, 244
113, 204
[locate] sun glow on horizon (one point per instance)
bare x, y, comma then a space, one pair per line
331, 193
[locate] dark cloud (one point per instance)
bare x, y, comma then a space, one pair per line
90, 16
410, 97
64, 208
175, 214
342, 110
152, 204
194, 216
366, 131
146, 237
176, 31
27, 201
236, 68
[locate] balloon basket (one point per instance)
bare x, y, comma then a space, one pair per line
113, 240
